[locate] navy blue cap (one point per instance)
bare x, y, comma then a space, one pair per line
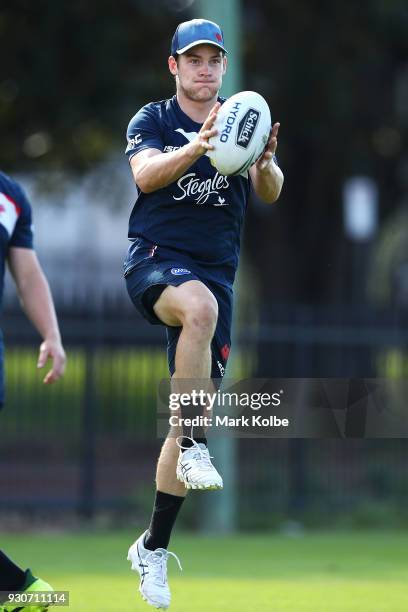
197, 32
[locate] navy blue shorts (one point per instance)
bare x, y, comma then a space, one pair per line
148, 272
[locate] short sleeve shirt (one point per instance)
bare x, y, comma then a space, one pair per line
202, 213
15, 221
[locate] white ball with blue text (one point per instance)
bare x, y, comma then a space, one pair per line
243, 124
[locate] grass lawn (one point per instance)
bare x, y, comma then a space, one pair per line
314, 572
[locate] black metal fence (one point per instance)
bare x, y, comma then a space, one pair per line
89, 442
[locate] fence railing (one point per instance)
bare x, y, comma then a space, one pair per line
89, 442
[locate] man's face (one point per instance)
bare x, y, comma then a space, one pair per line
199, 72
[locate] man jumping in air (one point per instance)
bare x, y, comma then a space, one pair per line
185, 237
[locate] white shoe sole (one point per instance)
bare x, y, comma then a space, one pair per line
157, 606
190, 485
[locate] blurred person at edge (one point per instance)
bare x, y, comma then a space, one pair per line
17, 251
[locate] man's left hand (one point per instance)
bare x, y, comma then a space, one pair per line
264, 161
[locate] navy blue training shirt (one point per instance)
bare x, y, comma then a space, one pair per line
15, 221
201, 214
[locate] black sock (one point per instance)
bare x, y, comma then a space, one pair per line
12, 577
165, 510
188, 442
196, 432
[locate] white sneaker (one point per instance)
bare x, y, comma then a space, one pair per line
152, 567
195, 469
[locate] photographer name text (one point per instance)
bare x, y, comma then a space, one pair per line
226, 421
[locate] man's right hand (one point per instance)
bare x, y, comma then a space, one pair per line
201, 144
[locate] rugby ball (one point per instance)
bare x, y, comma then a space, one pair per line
243, 124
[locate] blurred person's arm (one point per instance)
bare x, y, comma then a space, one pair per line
36, 299
266, 176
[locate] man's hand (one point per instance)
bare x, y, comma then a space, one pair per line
152, 169
264, 161
266, 176
201, 143
52, 349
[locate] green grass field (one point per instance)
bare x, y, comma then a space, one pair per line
325, 572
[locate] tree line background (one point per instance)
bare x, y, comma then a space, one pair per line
334, 73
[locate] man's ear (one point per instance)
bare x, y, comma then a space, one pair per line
224, 61
172, 65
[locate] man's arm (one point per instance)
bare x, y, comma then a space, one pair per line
36, 299
153, 169
266, 176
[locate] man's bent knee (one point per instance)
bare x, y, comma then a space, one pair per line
200, 315
191, 304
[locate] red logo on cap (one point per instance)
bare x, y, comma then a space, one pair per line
218, 37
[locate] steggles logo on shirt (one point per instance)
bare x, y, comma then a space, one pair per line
200, 190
